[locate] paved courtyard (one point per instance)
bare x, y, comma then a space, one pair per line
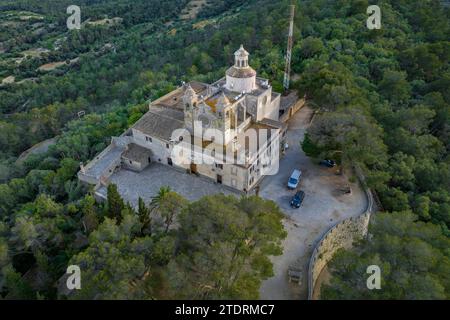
146, 184
323, 207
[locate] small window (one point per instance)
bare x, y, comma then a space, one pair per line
131, 162
148, 139
218, 165
234, 171
167, 145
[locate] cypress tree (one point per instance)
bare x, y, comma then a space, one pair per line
115, 203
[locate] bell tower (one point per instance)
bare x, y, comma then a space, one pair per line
190, 100
224, 111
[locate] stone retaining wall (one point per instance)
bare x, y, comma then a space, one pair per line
289, 112
341, 235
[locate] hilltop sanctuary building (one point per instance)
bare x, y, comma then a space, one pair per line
228, 132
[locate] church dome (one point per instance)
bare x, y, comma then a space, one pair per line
241, 72
241, 77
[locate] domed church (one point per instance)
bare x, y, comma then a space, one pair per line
176, 131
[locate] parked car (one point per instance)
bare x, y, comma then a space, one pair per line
328, 163
294, 179
297, 200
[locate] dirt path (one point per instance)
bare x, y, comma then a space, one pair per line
40, 147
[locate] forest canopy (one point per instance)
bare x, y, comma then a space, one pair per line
382, 100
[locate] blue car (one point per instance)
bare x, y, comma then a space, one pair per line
297, 200
328, 163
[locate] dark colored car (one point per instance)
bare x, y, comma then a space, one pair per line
328, 163
297, 200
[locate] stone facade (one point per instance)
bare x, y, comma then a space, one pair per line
290, 105
135, 157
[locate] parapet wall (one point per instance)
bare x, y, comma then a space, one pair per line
341, 235
289, 112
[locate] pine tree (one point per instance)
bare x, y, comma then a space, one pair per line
115, 203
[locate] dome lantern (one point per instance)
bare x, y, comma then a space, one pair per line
241, 77
241, 58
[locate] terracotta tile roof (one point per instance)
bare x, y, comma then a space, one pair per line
160, 122
136, 153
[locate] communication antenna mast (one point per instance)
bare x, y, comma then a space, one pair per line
287, 72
